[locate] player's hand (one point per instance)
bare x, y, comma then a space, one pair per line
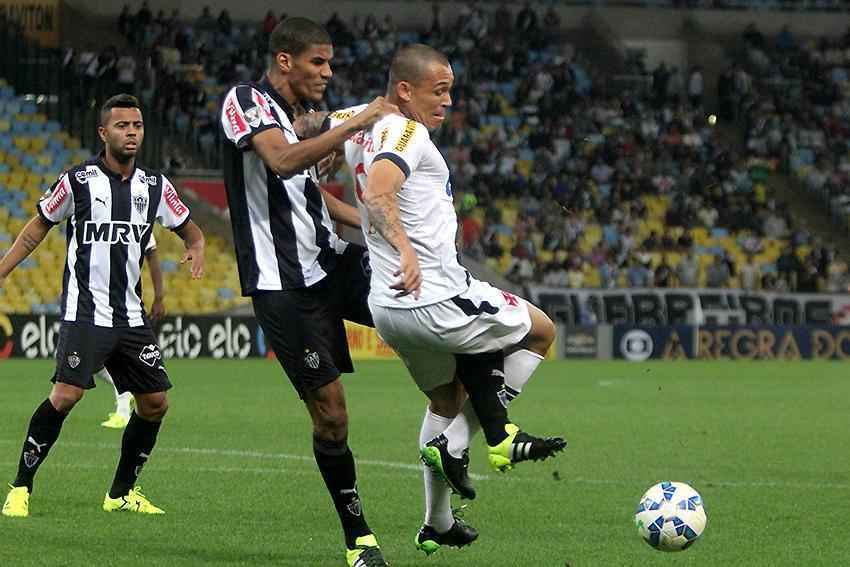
376, 110
157, 310
410, 274
196, 255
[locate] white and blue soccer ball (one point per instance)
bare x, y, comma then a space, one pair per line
670, 516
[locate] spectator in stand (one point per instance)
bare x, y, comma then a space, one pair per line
639, 275
717, 274
749, 274
688, 270
696, 87
788, 268
126, 68
664, 276
808, 278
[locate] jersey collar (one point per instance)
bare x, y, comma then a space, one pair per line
101, 163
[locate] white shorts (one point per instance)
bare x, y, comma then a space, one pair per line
481, 319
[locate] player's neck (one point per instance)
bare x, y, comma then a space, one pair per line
283, 88
124, 169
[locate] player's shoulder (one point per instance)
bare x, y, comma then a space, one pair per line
344, 114
401, 131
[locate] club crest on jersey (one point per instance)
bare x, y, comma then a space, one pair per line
253, 116
149, 355
73, 360
84, 175
140, 203
312, 360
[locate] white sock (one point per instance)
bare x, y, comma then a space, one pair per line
438, 505
122, 404
122, 401
519, 366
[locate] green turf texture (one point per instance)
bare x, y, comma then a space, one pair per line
766, 444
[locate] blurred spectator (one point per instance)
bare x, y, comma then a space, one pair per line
749, 274
688, 270
717, 274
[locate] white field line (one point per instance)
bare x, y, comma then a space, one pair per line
392, 465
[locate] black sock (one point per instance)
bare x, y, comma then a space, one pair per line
136, 447
484, 380
45, 425
336, 464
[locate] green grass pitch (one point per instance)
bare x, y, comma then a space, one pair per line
766, 444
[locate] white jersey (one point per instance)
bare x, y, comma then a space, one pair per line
425, 203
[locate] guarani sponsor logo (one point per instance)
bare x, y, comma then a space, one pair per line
406, 136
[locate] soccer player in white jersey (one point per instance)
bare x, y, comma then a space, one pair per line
110, 204
444, 324
119, 418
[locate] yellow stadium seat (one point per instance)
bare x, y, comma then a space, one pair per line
22, 143
39, 118
73, 144
700, 235
37, 145
17, 179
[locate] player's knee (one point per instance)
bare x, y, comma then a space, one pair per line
542, 333
64, 398
152, 407
332, 424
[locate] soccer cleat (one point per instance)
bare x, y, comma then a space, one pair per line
366, 553
460, 534
435, 455
519, 446
135, 501
17, 503
115, 421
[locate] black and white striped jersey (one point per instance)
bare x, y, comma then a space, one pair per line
282, 231
109, 232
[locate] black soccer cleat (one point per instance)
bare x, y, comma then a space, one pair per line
459, 535
519, 446
435, 455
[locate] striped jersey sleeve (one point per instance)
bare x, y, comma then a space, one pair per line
58, 203
244, 114
172, 212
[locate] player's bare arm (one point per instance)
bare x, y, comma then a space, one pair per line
341, 211
28, 240
287, 159
384, 181
194, 241
158, 306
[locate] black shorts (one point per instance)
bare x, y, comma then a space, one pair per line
305, 326
130, 354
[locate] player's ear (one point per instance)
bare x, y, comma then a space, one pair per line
101, 131
284, 62
404, 90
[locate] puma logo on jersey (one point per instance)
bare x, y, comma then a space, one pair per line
101, 201
114, 232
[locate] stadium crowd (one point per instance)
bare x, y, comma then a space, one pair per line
560, 179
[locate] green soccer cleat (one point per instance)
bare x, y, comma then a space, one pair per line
435, 455
459, 535
17, 503
115, 421
134, 501
366, 553
519, 446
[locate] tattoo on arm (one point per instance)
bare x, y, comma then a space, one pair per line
384, 216
30, 242
309, 125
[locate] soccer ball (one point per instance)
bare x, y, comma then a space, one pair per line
670, 516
